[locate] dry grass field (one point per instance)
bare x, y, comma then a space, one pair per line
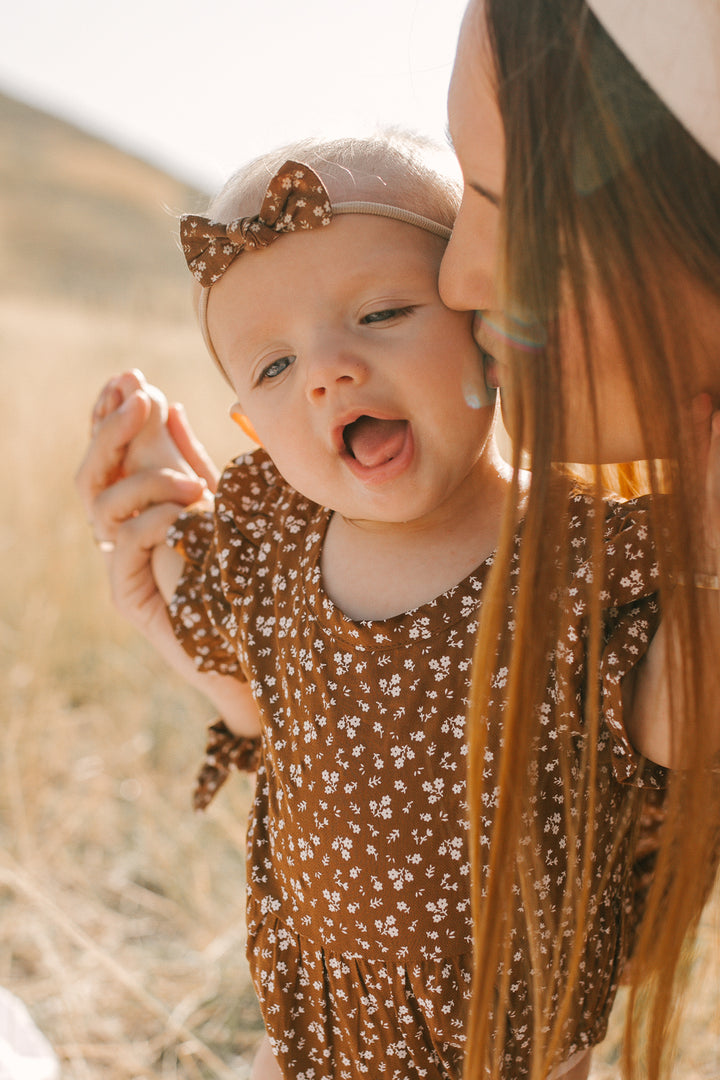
121, 912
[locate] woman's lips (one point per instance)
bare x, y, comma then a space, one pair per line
490, 365
490, 371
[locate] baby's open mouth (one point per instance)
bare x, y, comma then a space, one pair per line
373, 441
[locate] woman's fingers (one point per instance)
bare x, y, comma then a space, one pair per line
109, 496
134, 591
134, 494
190, 446
115, 391
102, 464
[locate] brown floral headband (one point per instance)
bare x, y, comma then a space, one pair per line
296, 199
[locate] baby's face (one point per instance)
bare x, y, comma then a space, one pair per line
350, 368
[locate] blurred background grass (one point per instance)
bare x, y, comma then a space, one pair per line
121, 911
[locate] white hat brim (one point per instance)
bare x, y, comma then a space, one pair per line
675, 46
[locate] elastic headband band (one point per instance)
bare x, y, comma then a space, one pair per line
383, 210
296, 200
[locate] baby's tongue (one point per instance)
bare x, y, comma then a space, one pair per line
373, 442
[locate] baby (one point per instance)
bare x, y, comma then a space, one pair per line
341, 575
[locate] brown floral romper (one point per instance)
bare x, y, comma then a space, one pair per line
358, 896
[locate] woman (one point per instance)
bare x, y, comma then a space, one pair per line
588, 239
598, 284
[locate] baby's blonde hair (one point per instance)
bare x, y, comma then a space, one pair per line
392, 167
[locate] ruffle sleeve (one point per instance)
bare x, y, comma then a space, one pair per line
632, 616
220, 549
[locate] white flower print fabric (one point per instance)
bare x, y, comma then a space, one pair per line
358, 904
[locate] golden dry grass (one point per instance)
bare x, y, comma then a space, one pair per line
122, 912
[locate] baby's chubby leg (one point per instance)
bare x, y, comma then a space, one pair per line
153, 447
265, 1065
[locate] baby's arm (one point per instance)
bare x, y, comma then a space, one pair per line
657, 720
154, 448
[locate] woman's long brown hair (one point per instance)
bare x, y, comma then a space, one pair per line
595, 164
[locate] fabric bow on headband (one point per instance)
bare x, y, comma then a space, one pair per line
295, 199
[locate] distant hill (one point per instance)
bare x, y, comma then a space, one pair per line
80, 218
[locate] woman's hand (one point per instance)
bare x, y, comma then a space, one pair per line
136, 596
111, 497
130, 516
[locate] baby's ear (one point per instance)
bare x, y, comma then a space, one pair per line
243, 423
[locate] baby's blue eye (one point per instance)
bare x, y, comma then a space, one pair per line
276, 368
386, 314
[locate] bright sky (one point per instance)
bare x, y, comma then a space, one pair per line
201, 86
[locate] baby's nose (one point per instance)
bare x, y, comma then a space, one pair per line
334, 368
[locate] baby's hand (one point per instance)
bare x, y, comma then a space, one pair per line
153, 447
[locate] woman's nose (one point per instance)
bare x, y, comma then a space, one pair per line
468, 268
